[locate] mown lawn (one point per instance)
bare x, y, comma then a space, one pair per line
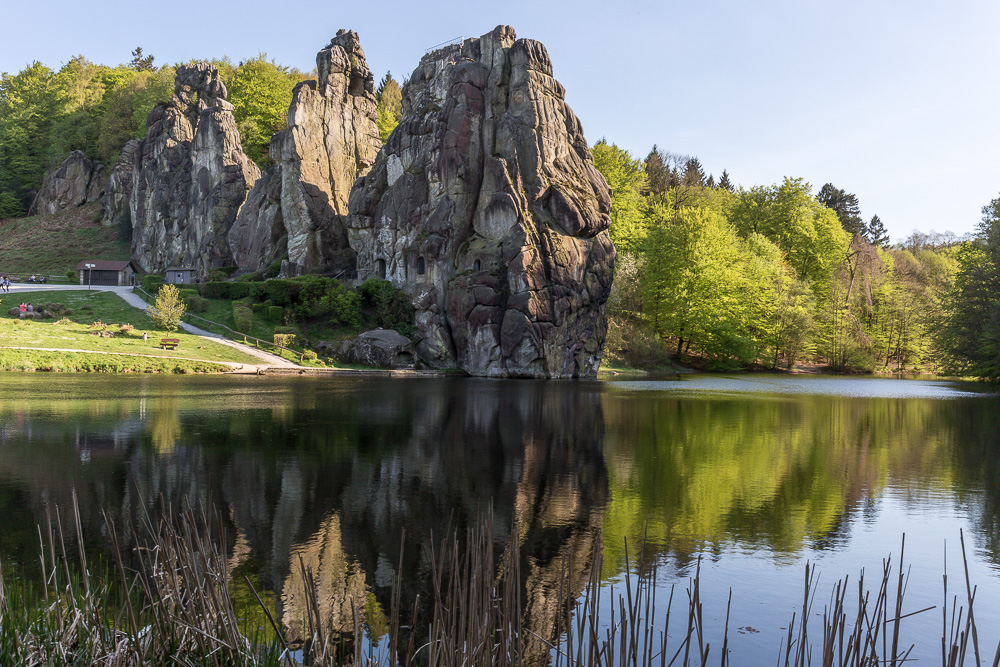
74, 330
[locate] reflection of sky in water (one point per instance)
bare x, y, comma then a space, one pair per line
767, 588
808, 385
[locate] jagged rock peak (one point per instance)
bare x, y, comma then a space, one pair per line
77, 180
199, 83
190, 177
297, 209
486, 208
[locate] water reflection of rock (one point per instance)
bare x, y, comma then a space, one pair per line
332, 473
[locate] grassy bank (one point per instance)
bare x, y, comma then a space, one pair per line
174, 599
100, 322
55, 244
83, 362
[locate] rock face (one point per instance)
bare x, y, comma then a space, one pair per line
76, 181
299, 205
118, 191
190, 177
486, 208
384, 348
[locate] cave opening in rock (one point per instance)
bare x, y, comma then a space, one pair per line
421, 266
477, 265
380, 268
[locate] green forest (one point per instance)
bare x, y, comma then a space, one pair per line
45, 113
709, 274
776, 276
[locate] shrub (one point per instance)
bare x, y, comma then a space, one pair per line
97, 324
282, 291
187, 294
276, 314
285, 330
242, 316
386, 306
273, 270
225, 290
71, 275
221, 273
151, 283
126, 327
284, 340
256, 276
167, 309
309, 355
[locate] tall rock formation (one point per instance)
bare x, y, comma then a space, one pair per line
190, 177
76, 181
118, 191
298, 207
486, 208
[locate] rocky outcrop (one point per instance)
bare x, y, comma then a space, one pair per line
383, 348
76, 181
486, 208
118, 191
190, 177
299, 205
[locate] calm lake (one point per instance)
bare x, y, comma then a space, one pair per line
754, 475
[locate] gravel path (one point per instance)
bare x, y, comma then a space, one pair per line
133, 299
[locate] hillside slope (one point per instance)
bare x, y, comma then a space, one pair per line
54, 244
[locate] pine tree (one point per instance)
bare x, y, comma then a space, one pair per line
725, 183
876, 233
657, 171
846, 207
140, 63
710, 181
694, 174
389, 107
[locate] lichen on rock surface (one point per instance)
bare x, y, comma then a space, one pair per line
190, 177
298, 207
486, 208
75, 181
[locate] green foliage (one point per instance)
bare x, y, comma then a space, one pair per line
256, 276
389, 107
151, 283
28, 103
167, 309
225, 290
10, 205
627, 178
386, 306
276, 314
284, 339
242, 316
845, 205
131, 96
273, 270
261, 91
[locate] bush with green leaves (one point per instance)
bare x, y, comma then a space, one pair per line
385, 306
151, 283
242, 316
284, 339
225, 290
167, 309
276, 314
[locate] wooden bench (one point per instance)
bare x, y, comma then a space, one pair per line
169, 343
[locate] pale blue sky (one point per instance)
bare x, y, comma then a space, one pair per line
894, 101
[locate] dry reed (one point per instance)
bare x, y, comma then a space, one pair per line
170, 602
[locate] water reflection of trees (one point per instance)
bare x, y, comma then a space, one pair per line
762, 471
